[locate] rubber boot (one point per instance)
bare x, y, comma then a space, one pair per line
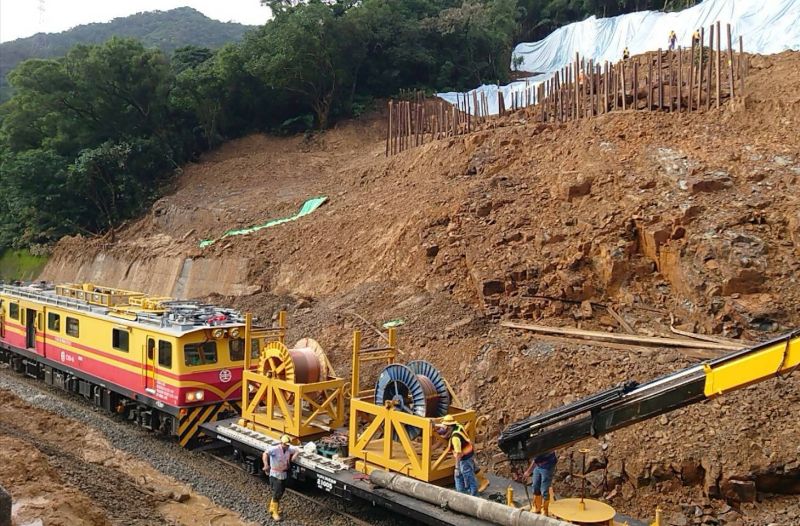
274, 511
545, 506
483, 482
537, 504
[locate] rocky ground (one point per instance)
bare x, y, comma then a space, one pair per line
684, 220
66, 464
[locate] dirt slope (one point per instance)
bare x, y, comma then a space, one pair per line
691, 216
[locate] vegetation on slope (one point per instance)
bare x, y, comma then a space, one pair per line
166, 30
89, 139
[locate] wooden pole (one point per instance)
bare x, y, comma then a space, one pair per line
731, 80
719, 63
710, 65
680, 78
741, 64
543, 100
577, 82
691, 77
650, 81
659, 70
700, 68
590, 91
622, 80
671, 60
389, 130
636, 85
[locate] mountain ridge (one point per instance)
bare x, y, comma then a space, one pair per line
166, 30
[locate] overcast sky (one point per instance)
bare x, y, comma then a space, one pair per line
23, 18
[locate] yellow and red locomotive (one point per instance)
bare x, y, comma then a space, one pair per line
169, 365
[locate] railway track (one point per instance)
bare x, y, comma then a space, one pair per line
303, 496
232, 489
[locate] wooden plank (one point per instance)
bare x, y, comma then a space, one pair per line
700, 354
623, 338
624, 90
622, 322
712, 339
636, 85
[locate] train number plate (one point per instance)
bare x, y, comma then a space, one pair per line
325, 483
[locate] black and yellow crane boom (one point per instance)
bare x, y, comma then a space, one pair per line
630, 402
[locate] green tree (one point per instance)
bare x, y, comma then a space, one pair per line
307, 50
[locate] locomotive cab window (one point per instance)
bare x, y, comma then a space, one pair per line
13, 311
165, 354
236, 347
53, 321
120, 339
200, 353
73, 327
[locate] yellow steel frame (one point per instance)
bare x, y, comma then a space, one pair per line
778, 358
385, 442
277, 333
91, 293
274, 407
425, 458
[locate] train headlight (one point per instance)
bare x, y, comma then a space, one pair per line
218, 333
235, 332
195, 396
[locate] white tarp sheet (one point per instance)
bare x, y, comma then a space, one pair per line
767, 26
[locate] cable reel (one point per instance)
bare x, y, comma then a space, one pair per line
417, 388
303, 364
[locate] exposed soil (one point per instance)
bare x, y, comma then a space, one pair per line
60, 472
690, 217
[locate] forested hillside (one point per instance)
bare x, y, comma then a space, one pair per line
166, 30
90, 139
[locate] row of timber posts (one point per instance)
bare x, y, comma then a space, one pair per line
674, 81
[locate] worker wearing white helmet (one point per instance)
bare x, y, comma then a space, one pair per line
277, 460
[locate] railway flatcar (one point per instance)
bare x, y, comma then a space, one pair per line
168, 365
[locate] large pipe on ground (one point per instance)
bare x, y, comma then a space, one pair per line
461, 503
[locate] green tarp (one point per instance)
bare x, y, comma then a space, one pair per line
308, 207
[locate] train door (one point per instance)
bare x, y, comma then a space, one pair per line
150, 365
30, 329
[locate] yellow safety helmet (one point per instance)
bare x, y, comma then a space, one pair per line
285, 439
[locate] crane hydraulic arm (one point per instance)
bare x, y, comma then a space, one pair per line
631, 402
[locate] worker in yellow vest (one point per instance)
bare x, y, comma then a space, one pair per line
466, 472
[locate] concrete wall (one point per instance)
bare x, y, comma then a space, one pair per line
178, 276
